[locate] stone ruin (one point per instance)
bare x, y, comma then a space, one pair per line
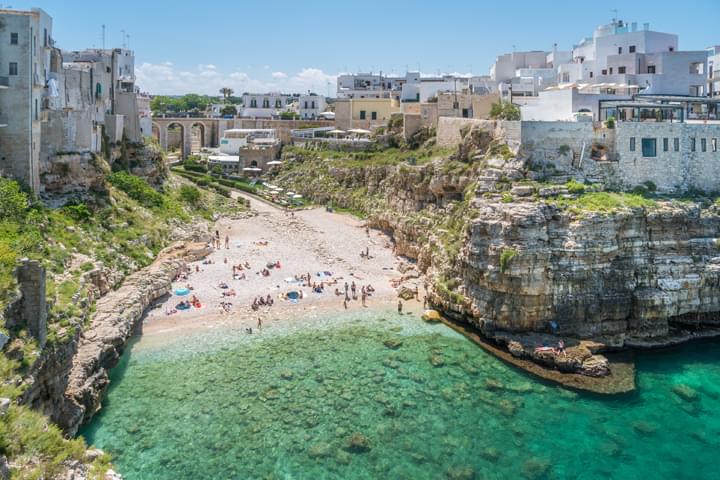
29, 310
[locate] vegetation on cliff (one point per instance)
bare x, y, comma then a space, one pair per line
119, 231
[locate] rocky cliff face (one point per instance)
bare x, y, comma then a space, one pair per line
610, 276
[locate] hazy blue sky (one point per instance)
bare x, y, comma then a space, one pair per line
298, 45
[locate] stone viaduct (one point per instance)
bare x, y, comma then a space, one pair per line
209, 131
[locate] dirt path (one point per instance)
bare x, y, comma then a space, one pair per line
307, 242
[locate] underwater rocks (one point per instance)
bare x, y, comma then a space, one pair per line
358, 443
461, 472
392, 343
686, 393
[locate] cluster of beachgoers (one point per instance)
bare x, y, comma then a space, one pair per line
243, 281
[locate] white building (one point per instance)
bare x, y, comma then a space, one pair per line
26, 69
714, 71
112, 85
268, 105
368, 85
310, 106
620, 53
238, 138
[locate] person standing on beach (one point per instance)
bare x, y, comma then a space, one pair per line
259, 322
227, 242
364, 297
400, 306
345, 302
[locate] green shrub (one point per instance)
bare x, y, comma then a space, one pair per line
190, 195
507, 198
610, 122
575, 187
14, 202
506, 257
137, 189
504, 111
78, 211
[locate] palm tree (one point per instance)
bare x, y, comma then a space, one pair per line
226, 93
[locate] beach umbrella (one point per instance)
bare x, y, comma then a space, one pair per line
278, 189
360, 131
275, 162
297, 195
290, 194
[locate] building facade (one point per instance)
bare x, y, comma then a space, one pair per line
311, 106
268, 105
27, 67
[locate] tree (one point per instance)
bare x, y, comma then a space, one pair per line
228, 110
226, 92
504, 111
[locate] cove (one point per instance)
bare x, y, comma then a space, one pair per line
377, 395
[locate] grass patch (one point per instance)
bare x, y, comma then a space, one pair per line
604, 202
506, 256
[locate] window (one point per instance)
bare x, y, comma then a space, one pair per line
649, 147
465, 113
306, 104
312, 104
692, 144
278, 103
666, 144
362, 114
631, 48
37, 110
651, 69
604, 72
566, 77
611, 70
13, 38
703, 144
621, 69
253, 103
13, 68
671, 49
713, 144
676, 144
619, 50
266, 103
632, 144
373, 116
591, 75
45, 37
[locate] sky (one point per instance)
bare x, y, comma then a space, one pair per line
200, 46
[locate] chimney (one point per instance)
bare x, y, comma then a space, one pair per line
633, 27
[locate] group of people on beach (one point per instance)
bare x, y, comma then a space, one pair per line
262, 302
351, 292
216, 241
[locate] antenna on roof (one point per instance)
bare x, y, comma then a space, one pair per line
123, 38
128, 41
103, 36
615, 15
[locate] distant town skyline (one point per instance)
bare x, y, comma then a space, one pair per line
252, 46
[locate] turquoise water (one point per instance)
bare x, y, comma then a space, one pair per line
395, 398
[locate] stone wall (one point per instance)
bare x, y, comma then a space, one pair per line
670, 170
449, 131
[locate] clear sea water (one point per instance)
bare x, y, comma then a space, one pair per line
334, 401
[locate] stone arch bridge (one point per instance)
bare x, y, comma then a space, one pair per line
210, 130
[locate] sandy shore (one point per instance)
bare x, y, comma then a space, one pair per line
308, 242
